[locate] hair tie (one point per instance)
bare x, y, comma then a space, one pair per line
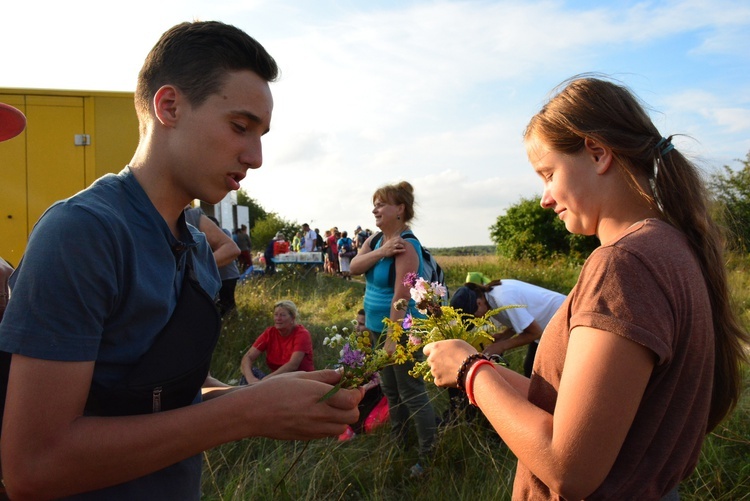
664, 146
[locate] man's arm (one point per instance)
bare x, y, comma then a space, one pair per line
224, 248
50, 450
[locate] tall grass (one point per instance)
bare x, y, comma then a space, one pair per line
470, 461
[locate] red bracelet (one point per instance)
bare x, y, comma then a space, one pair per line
470, 379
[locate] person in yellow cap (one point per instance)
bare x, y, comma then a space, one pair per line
477, 277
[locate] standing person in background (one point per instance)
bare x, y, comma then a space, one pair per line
360, 236
297, 241
98, 405
229, 275
224, 249
326, 251
271, 250
407, 396
525, 324
346, 253
246, 249
643, 358
319, 242
309, 237
333, 249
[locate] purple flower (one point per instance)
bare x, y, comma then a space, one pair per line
352, 358
407, 322
410, 279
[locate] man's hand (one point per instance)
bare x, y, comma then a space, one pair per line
290, 406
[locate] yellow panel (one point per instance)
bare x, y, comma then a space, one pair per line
55, 164
115, 134
13, 223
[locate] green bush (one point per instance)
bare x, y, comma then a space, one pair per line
527, 231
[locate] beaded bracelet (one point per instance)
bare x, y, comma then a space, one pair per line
461, 375
470, 380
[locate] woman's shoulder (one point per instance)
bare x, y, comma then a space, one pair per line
300, 329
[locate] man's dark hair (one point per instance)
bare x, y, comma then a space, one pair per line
196, 57
361, 311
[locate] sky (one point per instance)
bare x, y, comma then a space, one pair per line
436, 93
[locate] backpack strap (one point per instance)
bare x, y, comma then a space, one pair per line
375, 239
392, 270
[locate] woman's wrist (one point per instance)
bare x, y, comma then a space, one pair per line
471, 377
464, 369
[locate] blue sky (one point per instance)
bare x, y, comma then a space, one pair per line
433, 92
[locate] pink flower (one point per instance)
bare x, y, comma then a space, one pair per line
419, 290
415, 340
439, 290
410, 279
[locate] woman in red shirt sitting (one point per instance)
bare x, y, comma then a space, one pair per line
288, 346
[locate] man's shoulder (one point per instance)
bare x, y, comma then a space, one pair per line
106, 195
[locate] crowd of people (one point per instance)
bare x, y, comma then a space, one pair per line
107, 339
336, 248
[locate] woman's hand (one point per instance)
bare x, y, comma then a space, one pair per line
393, 246
445, 358
389, 346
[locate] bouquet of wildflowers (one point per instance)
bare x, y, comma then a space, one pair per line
439, 323
359, 361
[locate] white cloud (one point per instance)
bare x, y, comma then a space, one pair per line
436, 93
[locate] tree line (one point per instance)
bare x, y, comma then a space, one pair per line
527, 231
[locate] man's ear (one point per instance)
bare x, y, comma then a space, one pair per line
600, 154
165, 105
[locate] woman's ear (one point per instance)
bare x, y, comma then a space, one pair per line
599, 154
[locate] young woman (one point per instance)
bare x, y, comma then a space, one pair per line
390, 257
642, 359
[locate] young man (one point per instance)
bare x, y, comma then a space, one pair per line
115, 287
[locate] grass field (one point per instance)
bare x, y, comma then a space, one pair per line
471, 462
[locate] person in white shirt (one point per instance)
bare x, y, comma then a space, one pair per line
308, 238
525, 324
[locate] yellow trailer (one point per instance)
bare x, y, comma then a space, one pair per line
71, 139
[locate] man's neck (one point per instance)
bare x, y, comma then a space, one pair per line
161, 192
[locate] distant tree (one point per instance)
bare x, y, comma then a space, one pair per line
265, 229
255, 211
527, 231
731, 190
